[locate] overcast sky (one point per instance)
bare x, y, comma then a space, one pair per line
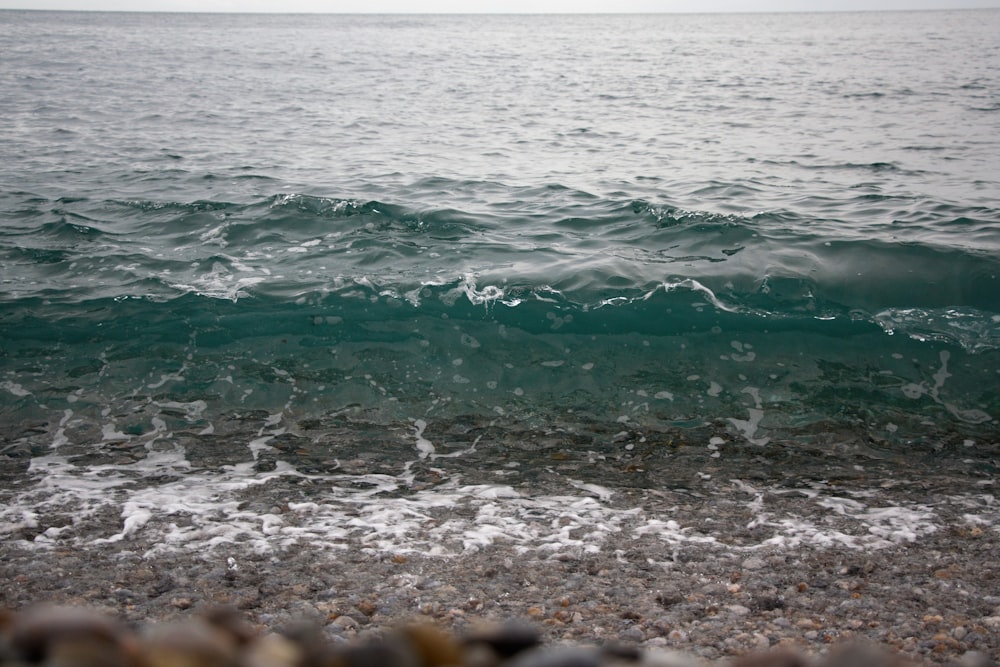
525, 6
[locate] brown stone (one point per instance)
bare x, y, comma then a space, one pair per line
367, 607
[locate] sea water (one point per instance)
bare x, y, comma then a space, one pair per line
507, 264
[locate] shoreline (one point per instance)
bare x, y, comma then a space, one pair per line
753, 550
932, 602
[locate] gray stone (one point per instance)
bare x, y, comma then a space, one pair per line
633, 634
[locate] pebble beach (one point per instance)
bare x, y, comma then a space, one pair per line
705, 611
923, 588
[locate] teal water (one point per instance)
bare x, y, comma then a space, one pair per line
776, 229
309, 307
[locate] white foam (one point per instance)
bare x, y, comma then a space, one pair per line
14, 388
487, 295
872, 528
258, 445
672, 532
915, 391
748, 427
59, 438
424, 446
108, 432
754, 393
602, 493
193, 410
162, 501
742, 347
220, 283
167, 377
134, 519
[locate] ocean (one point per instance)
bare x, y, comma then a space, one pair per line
440, 283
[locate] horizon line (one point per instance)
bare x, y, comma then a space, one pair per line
266, 12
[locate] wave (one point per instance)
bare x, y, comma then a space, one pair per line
227, 306
657, 267
676, 356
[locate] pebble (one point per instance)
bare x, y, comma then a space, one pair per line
633, 634
77, 637
975, 659
345, 623
560, 657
